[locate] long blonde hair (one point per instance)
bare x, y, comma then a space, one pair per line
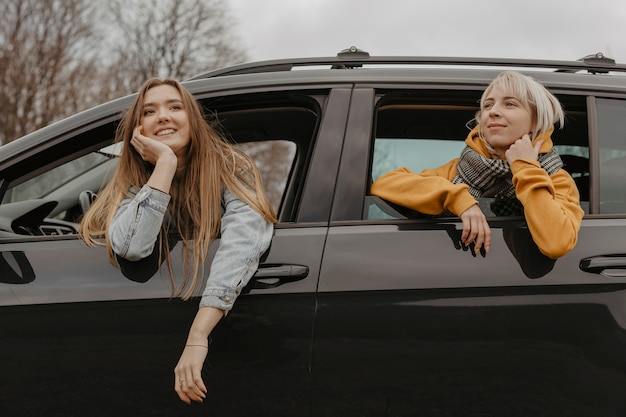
195, 203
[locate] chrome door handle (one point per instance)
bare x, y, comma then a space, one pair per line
281, 271
613, 266
275, 275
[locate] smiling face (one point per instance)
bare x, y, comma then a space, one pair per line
164, 118
504, 119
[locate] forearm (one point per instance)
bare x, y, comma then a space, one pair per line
163, 173
553, 225
136, 225
145, 268
429, 192
203, 324
551, 208
245, 236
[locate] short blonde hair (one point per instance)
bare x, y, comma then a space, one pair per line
545, 108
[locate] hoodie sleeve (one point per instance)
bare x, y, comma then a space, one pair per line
551, 206
429, 192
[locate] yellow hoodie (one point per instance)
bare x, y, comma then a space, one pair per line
551, 203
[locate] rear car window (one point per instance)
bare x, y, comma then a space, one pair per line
612, 134
427, 129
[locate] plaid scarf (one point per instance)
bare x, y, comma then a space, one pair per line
493, 178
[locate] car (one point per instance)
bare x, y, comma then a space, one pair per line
360, 308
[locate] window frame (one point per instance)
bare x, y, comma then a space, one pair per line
355, 173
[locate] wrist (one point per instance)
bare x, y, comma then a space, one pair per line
167, 160
197, 339
199, 345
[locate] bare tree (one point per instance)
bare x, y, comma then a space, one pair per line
58, 57
44, 56
171, 38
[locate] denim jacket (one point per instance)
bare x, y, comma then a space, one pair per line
245, 236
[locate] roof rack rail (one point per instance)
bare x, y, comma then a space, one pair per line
354, 57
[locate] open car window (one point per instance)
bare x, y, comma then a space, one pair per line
277, 132
419, 130
428, 129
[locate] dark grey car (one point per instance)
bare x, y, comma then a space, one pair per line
361, 308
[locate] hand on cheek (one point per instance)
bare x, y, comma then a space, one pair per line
523, 149
149, 149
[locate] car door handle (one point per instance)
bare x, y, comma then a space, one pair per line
607, 265
275, 275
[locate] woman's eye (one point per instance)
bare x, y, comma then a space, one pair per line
148, 112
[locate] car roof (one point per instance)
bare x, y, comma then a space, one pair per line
594, 73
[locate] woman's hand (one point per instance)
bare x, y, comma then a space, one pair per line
189, 384
523, 149
160, 155
475, 229
150, 150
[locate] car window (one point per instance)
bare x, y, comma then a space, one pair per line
50, 181
64, 183
274, 159
612, 135
427, 130
416, 130
277, 134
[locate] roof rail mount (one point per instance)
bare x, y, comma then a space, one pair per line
597, 59
351, 53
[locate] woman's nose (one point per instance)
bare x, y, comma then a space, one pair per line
163, 116
494, 110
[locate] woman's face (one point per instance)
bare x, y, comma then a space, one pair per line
164, 118
504, 119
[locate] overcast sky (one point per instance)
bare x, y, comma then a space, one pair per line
542, 29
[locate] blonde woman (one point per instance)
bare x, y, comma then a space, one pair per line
509, 156
177, 179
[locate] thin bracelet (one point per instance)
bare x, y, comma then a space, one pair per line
199, 345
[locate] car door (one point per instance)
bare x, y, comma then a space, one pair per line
80, 339
411, 323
